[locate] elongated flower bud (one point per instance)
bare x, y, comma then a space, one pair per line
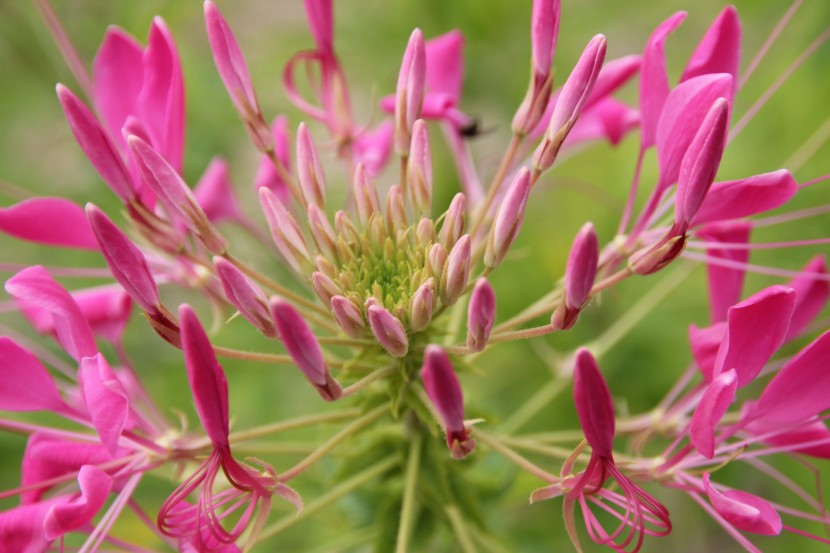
436, 259
700, 164
322, 231
387, 329
324, 287
409, 97
594, 405
309, 168
245, 296
304, 348
96, 144
456, 271
348, 316
365, 195
580, 273
395, 211
571, 100
425, 232
444, 391
285, 231
453, 226
422, 305
544, 28
508, 220
419, 171
481, 314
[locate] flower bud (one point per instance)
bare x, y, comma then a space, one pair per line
348, 316
453, 226
387, 329
481, 314
544, 28
395, 211
425, 232
419, 170
444, 391
456, 271
309, 169
421, 306
653, 258
285, 231
365, 195
324, 287
508, 220
436, 258
580, 273
322, 231
409, 96
245, 296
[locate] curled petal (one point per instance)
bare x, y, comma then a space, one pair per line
105, 399
743, 510
95, 485
717, 398
704, 343
445, 64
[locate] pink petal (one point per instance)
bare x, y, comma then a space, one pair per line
815, 432
581, 269
445, 64
607, 119
27, 385
594, 405
215, 193
117, 78
206, 377
716, 400
613, 75
654, 83
725, 283
683, 113
481, 314
105, 399
52, 221
745, 197
21, 528
743, 510
372, 148
756, 328
443, 389
719, 50
811, 294
387, 329
37, 287
245, 295
704, 343
319, 13
544, 30
799, 390
267, 175
95, 486
508, 220
229, 60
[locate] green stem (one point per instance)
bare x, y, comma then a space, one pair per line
497, 445
408, 506
292, 424
369, 379
465, 541
342, 489
536, 403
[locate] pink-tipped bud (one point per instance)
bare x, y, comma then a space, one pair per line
570, 102
409, 97
96, 144
508, 220
436, 259
651, 259
285, 231
481, 314
580, 273
365, 195
425, 232
419, 171
700, 164
444, 391
309, 168
324, 287
304, 348
453, 226
395, 211
348, 316
544, 28
594, 405
456, 271
422, 305
322, 231
245, 296
387, 329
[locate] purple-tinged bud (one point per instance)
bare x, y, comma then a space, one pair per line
324, 287
456, 271
309, 169
419, 172
245, 296
570, 102
594, 406
508, 220
653, 258
580, 273
422, 305
387, 329
348, 316
481, 314
444, 391
176, 196
285, 232
96, 144
425, 232
409, 97
436, 259
544, 28
395, 210
365, 195
453, 226
322, 231
304, 348
700, 164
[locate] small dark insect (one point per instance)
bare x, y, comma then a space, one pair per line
473, 129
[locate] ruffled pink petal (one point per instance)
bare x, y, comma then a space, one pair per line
51, 221
743, 510
716, 400
105, 399
95, 486
704, 343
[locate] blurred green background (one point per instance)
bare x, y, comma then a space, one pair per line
38, 154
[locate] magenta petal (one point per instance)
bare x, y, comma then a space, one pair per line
594, 405
105, 399
443, 388
117, 77
725, 283
716, 400
745, 197
267, 175
544, 30
445, 64
52, 221
245, 295
608, 119
36, 286
372, 148
743, 510
95, 486
811, 293
612, 76
704, 343
27, 385
581, 269
320, 19
206, 377
21, 528
815, 433
756, 328
215, 194
229, 60
387, 329
719, 50
799, 390
481, 314
654, 83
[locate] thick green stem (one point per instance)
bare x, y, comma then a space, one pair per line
413, 464
459, 526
